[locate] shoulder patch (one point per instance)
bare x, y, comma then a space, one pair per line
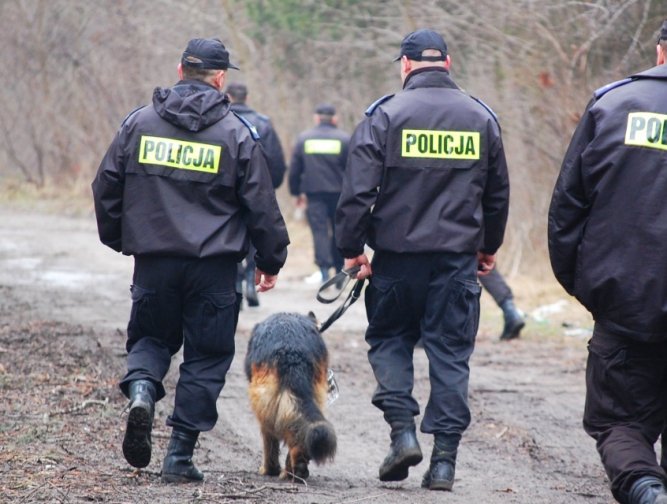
377, 103
249, 125
127, 117
488, 109
599, 93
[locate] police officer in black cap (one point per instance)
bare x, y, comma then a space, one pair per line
607, 245
426, 187
316, 174
238, 94
184, 188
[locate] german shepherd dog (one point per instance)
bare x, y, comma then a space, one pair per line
287, 364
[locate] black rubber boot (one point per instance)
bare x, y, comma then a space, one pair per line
513, 320
440, 474
250, 290
137, 441
403, 453
178, 466
648, 490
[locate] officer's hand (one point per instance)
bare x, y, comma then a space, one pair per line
264, 281
364, 266
301, 202
485, 263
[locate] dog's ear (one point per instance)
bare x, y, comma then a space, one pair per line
312, 317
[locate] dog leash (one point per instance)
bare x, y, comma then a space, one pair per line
344, 276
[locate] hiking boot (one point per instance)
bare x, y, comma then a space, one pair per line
137, 441
514, 322
178, 466
250, 290
648, 490
404, 452
440, 474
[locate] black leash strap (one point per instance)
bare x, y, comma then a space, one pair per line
354, 294
344, 277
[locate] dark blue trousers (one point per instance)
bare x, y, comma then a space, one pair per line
435, 297
190, 303
321, 214
495, 285
626, 407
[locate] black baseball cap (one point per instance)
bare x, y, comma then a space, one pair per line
663, 32
209, 54
325, 109
418, 41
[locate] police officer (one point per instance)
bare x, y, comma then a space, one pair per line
316, 174
497, 287
238, 94
607, 245
184, 188
426, 187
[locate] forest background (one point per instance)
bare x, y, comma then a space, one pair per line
74, 68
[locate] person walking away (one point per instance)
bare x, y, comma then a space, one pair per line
238, 95
184, 188
315, 178
426, 187
607, 245
497, 287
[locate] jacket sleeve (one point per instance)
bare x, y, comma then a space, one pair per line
296, 169
108, 194
274, 154
569, 208
495, 201
266, 225
361, 181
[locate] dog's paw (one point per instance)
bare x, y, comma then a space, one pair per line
299, 477
269, 471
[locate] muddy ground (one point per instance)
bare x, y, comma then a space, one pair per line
64, 303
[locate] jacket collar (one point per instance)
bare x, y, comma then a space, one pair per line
657, 72
429, 77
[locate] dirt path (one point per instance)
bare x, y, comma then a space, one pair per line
63, 308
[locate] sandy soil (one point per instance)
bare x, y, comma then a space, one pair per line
64, 303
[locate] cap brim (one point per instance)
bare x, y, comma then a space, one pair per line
233, 66
397, 58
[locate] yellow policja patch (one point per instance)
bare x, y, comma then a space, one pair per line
440, 144
322, 146
180, 154
647, 129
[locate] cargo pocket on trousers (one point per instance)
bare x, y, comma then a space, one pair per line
142, 323
607, 391
461, 318
384, 307
217, 323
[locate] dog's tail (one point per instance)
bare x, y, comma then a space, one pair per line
321, 441
308, 387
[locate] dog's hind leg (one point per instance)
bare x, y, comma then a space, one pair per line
296, 464
271, 465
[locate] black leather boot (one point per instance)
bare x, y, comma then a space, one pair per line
648, 490
137, 441
513, 320
440, 474
403, 453
178, 466
250, 290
